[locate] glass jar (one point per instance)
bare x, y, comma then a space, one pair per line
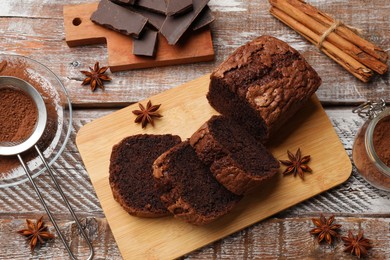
371, 148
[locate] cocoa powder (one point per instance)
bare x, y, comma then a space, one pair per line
19, 69
381, 140
18, 115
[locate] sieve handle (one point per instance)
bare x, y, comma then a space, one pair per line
64, 199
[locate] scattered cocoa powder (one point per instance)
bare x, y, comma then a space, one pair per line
18, 115
18, 68
381, 140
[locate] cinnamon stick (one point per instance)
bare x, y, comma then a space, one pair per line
353, 66
334, 38
342, 30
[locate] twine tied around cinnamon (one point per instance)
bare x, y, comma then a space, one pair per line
333, 27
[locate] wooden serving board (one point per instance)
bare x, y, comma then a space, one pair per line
80, 30
184, 110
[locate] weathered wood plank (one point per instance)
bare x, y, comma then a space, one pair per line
290, 239
15, 246
37, 32
273, 238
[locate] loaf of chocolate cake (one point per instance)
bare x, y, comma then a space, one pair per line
189, 190
262, 84
236, 159
131, 173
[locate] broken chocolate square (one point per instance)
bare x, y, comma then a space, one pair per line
146, 44
175, 26
175, 7
118, 18
205, 18
158, 6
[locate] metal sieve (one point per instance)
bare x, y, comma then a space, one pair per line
16, 148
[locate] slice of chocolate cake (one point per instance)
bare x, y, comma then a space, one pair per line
236, 158
131, 174
262, 84
189, 190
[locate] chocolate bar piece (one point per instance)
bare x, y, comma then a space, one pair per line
146, 44
158, 6
175, 26
175, 7
205, 18
118, 18
123, 2
154, 19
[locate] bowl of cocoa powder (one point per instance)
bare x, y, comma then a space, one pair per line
18, 115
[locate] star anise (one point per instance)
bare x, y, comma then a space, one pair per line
297, 164
95, 77
146, 115
36, 232
325, 229
356, 245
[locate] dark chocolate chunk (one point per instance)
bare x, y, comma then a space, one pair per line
123, 2
175, 26
118, 18
158, 6
205, 18
154, 19
175, 7
146, 44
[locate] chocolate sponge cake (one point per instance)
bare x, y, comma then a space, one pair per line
189, 190
131, 173
262, 84
236, 159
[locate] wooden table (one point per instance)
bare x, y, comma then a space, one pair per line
35, 29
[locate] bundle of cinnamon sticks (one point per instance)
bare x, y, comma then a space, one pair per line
357, 55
